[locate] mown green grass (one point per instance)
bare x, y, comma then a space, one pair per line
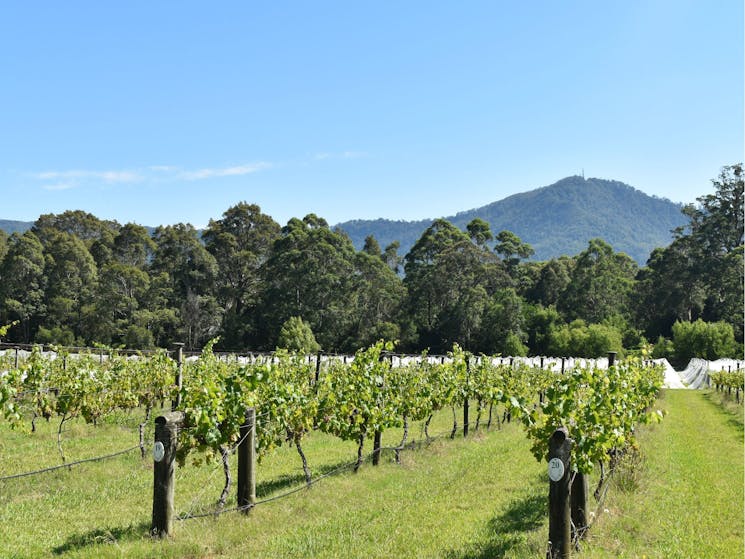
477, 498
688, 499
439, 502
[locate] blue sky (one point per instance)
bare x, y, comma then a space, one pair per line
167, 112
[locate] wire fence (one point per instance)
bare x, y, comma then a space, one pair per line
440, 435
70, 464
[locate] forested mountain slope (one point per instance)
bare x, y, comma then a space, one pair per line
556, 220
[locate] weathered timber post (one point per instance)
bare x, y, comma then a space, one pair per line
377, 442
318, 366
559, 510
378, 435
164, 467
247, 463
612, 358
578, 497
16, 362
179, 358
465, 399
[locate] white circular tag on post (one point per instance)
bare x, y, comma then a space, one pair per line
555, 469
159, 451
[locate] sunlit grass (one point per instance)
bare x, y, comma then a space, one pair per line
482, 497
689, 502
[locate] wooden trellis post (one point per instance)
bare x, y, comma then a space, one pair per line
559, 509
247, 463
179, 358
164, 468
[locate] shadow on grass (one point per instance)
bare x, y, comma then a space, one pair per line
727, 406
509, 530
103, 536
266, 488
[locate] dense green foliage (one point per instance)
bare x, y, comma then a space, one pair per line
600, 408
73, 279
296, 335
703, 339
352, 401
729, 381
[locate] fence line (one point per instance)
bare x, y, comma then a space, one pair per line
70, 465
409, 445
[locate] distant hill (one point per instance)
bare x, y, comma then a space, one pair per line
10, 226
556, 220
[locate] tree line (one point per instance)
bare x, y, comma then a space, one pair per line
74, 279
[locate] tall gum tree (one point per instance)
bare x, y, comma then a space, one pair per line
240, 242
600, 284
700, 275
184, 274
448, 280
22, 286
310, 274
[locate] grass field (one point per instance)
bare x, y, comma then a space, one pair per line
483, 497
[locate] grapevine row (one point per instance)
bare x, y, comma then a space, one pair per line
354, 401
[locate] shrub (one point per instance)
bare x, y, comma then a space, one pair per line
707, 340
297, 335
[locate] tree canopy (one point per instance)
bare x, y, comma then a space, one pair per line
76, 279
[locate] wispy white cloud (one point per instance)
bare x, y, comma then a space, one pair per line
163, 168
339, 155
59, 186
234, 171
75, 178
77, 174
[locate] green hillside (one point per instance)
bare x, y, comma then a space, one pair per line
10, 226
557, 220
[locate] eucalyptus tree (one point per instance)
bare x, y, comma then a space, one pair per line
700, 274
600, 284
133, 246
121, 301
669, 289
240, 242
183, 276
552, 279
717, 227
22, 285
479, 231
447, 278
309, 274
504, 327
3, 246
512, 249
391, 257
378, 295
85, 226
372, 247
96, 234
72, 278
121, 296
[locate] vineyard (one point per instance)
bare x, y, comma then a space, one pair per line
302, 402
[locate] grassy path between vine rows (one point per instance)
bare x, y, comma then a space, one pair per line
686, 500
483, 497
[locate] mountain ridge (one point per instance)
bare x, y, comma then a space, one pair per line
558, 219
